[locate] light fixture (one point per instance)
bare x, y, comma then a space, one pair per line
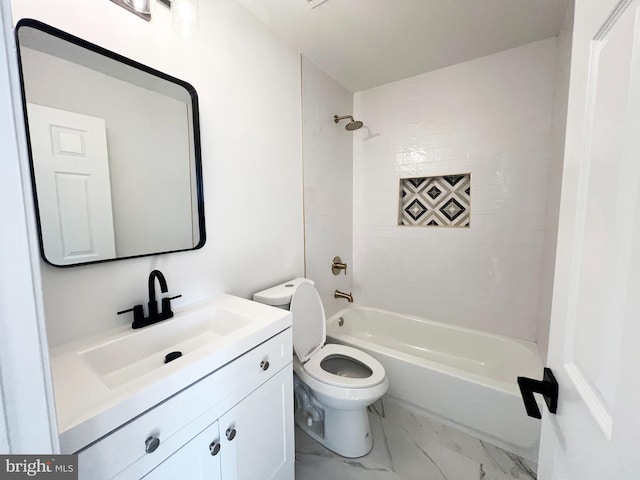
184, 16
142, 8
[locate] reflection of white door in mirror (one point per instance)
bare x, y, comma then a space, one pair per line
71, 168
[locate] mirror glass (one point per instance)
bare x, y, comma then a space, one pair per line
114, 148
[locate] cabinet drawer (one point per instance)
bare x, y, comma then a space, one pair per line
168, 421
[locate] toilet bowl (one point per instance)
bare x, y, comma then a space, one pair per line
333, 384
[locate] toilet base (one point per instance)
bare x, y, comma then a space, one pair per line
345, 432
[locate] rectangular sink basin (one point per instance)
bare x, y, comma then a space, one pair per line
130, 356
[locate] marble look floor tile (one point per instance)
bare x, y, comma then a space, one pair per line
453, 465
490, 473
338, 471
315, 462
507, 463
409, 458
433, 436
410, 446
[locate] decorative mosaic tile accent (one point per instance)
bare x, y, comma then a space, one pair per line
435, 201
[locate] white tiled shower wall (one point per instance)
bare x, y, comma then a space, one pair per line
491, 117
328, 179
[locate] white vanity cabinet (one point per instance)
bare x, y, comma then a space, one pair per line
234, 424
194, 460
252, 441
257, 433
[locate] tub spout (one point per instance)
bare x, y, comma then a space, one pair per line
339, 294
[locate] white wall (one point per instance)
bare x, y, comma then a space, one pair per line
328, 180
491, 116
554, 179
248, 83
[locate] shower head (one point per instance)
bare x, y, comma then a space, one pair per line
352, 125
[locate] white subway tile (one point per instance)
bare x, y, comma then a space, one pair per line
490, 117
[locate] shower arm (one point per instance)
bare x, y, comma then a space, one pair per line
336, 118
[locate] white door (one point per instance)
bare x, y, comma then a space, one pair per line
256, 435
71, 167
199, 459
594, 348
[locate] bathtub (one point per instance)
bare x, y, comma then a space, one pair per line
462, 377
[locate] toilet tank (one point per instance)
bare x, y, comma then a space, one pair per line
280, 295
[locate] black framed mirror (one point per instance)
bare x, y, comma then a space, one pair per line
114, 147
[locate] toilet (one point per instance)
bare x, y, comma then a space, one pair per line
333, 384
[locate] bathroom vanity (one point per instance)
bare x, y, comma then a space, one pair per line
222, 410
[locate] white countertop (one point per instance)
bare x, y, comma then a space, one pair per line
87, 408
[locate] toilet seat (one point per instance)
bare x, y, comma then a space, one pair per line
309, 326
310, 335
313, 367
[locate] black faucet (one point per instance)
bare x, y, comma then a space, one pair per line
139, 320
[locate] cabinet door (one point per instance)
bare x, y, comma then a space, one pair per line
257, 434
194, 461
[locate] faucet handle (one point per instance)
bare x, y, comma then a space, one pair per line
138, 315
166, 307
337, 264
132, 309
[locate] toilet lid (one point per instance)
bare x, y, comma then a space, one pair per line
314, 367
309, 329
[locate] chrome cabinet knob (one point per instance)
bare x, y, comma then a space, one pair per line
230, 433
264, 365
151, 444
214, 448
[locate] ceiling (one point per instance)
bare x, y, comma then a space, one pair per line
365, 43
